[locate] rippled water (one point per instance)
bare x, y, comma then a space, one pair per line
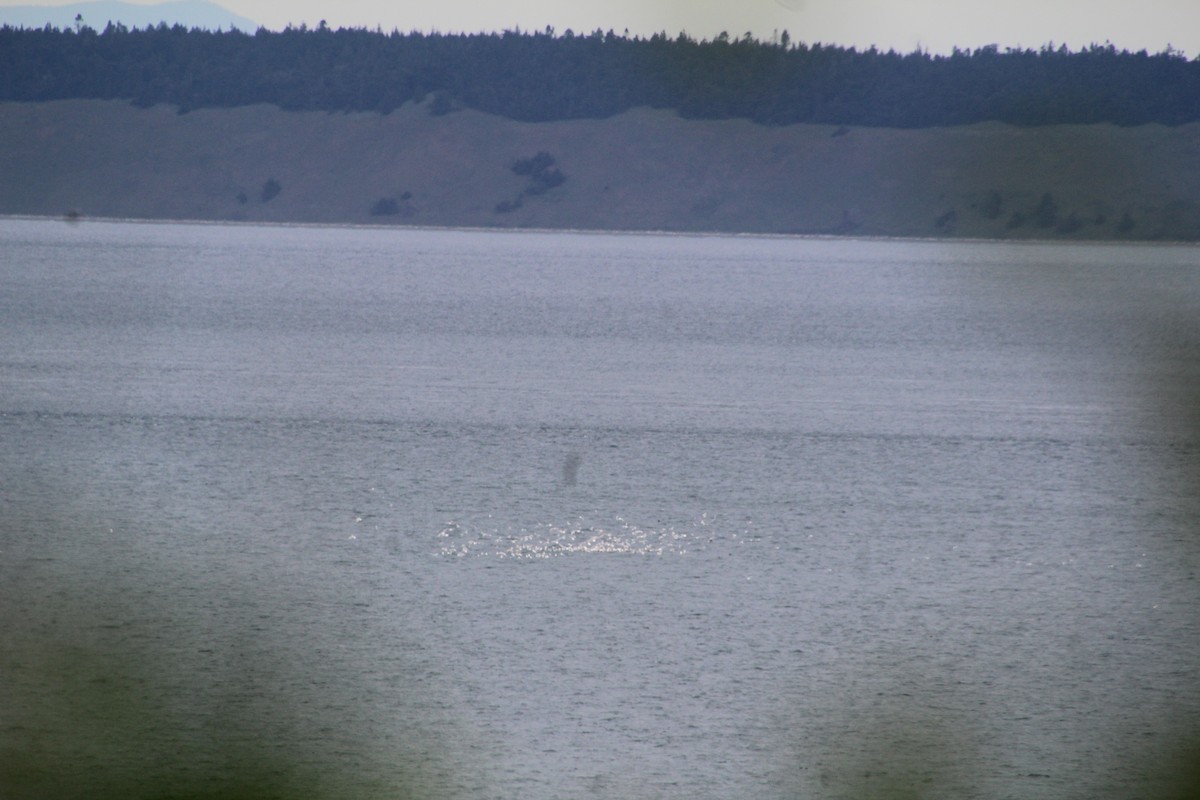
565, 515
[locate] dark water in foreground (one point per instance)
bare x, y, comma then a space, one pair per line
350, 513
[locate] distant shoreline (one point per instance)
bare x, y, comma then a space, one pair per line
641, 171
826, 237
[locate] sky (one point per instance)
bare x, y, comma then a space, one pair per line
904, 25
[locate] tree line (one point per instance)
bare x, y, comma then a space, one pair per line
544, 76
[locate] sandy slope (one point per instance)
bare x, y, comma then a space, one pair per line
643, 169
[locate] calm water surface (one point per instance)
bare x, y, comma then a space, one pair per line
495, 515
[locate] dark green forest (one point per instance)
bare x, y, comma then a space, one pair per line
547, 76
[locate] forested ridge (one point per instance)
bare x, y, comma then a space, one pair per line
545, 76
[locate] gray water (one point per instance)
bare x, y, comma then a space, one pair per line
382, 513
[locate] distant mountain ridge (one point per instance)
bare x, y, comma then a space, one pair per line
188, 13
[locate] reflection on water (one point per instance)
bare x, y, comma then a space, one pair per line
578, 536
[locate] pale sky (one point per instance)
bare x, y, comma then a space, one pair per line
935, 25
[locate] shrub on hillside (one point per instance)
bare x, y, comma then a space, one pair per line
270, 189
533, 166
992, 205
1046, 213
542, 172
1070, 224
505, 206
385, 207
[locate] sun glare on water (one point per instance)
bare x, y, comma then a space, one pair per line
578, 536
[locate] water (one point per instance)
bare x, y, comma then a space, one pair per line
354, 512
